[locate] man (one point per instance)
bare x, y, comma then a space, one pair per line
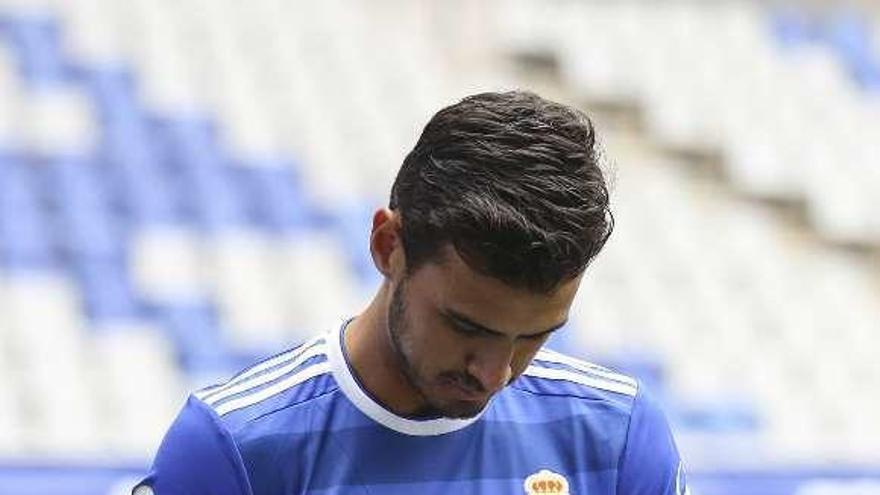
440, 385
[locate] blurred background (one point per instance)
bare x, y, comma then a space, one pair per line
186, 187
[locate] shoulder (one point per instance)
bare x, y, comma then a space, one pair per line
198, 456
228, 437
552, 373
617, 409
576, 405
292, 378
650, 462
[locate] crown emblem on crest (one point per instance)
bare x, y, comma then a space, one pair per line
546, 482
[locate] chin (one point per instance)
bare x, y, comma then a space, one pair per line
440, 401
460, 409
464, 414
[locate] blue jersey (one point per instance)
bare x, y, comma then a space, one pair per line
300, 423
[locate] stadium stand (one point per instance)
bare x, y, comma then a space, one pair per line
186, 186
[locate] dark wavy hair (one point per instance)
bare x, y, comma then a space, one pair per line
512, 182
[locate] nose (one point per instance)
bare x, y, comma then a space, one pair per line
492, 366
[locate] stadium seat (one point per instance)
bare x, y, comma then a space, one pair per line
275, 193
36, 39
143, 386
167, 265
25, 239
107, 293
193, 331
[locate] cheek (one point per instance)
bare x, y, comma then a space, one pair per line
448, 351
524, 354
435, 349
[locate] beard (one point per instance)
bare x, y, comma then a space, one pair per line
400, 338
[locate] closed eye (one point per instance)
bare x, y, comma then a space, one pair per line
463, 326
469, 331
537, 336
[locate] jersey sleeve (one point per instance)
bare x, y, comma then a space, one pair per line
650, 463
198, 456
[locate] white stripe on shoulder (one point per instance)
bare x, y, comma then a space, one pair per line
259, 367
286, 384
201, 394
580, 378
593, 369
259, 380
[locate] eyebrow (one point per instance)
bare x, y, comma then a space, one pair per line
464, 321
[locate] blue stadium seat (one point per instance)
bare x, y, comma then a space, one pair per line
71, 479
16, 183
214, 203
36, 41
351, 223
73, 182
185, 140
124, 135
25, 239
793, 27
849, 34
717, 416
91, 236
274, 193
191, 145
140, 189
113, 91
145, 197
86, 225
194, 330
25, 242
106, 290
198, 165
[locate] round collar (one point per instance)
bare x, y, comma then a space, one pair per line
355, 393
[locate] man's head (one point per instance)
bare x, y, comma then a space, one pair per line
493, 217
512, 182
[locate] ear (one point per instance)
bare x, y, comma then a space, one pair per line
386, 245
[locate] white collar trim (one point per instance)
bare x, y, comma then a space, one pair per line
375, 411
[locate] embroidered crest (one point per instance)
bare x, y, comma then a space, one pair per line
546, 482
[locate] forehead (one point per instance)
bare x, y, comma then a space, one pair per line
450, 284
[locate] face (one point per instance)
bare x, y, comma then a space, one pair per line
459, 337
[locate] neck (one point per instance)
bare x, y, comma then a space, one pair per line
372, 358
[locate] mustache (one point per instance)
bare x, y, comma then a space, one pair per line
463, 380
